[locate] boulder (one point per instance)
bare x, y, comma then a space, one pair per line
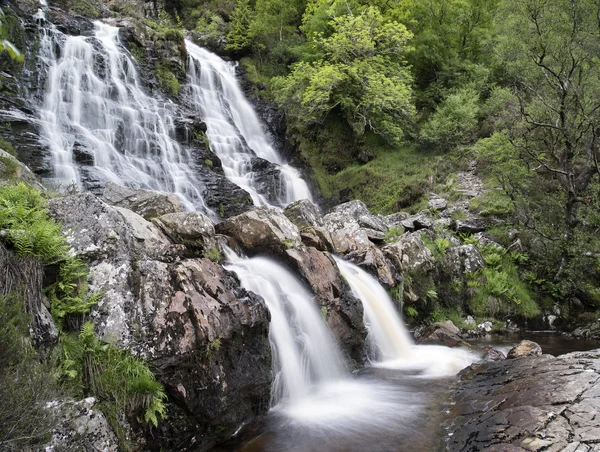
461, 259
304, 214
475, 224
409, 253
262, 230
417, 222
524, 348
206, 336
317, 237
491, 354
224, 197
147, 203
442, 333
81, 427
374, 261
437, 203
344, 312
267, 180
193, 229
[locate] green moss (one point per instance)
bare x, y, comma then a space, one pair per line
324, 312
8, 167
85, 8
167, 80
214, 255
6, 146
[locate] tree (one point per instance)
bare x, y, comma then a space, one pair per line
238, 38
362, 74
551, 56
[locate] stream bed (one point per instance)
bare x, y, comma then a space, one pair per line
380, 410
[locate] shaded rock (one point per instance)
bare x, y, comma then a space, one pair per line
80, 427
192, 229
491, 354
304, 214
317, 237
12, 170
267, 180
344, 312
224, 197
534, 403
262, 230
442, 333
374, 261
524, 348
417, 222
147, 203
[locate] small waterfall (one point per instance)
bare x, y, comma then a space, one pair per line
100, 125
234, 130
387, 333
304, 353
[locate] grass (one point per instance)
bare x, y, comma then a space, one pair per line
167, 80
85, 8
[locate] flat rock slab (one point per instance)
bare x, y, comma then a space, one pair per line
528, 404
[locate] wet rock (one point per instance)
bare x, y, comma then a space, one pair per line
262, 230
81, 427
70, 24
441, 333
267, 180
193, 229
524, 348
147, 203
224, 197
342, 311
304, 214
534, 403
491, 354
374, 261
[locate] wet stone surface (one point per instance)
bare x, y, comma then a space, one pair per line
528, 404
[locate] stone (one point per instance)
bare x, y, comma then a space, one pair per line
147, 203
267, 180
262, 230
344, 311
193, 229
317, 237
12, 170
81, 427
417, 222
462, 259
524, 348
409, 253
491, 354
534, 403
374, 261
442, 333
473, 225
304, 214
437, 203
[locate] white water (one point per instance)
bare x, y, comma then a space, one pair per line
304, 353
233, 128
94, 101
389, 337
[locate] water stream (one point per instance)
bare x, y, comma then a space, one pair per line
233, 128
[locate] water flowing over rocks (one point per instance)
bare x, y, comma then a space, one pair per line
527, 404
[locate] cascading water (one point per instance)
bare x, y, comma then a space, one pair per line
95, 110
233, 128
304, 353
389, 336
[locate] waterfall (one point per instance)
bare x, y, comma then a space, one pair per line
304, 352
100, 125
233, 128
387, 334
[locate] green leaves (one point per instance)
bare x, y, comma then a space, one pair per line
362, 73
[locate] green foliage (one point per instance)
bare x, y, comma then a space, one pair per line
324, 312
454, 121
437, 246
123, 384
166, 79
25, 422
7, 147
410, 311
393, 234
24, 216
212, 347
239, 38
356, 74
8, 168
68, 295
11, 32
214, 255
86, 8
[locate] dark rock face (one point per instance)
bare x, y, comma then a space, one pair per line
343, 312
224, 197
267, 179
529, 404
207, 337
